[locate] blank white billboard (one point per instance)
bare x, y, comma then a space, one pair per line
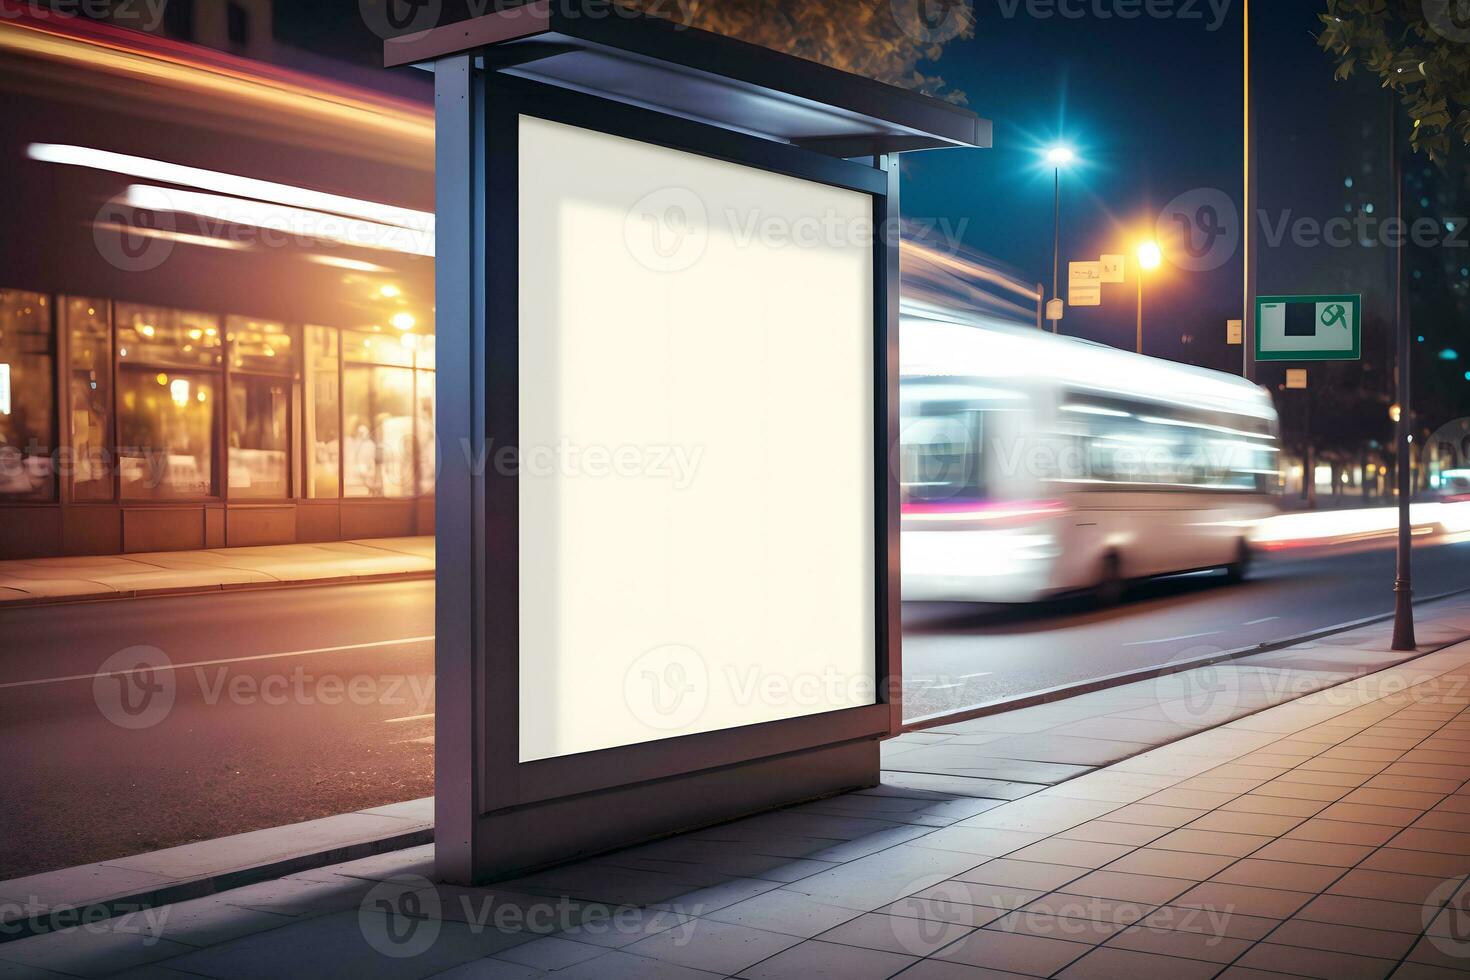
696, 446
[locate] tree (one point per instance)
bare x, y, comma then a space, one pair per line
1418, 48
886, 40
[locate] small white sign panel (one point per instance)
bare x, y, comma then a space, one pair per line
4, 389
1054, 309
1113, 268
1235, 331
1084, 283
1296, 377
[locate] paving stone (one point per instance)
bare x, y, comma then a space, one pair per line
1108, 963
785, 912
1031, 955
816, 960
716, 947
1326, 964
1341, 938
1174, 942
896, 933
1309, 878
1023, 874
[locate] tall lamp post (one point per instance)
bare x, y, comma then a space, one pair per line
1403, 585
1058, 157
1149, 258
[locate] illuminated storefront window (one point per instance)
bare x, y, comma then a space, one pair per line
261, 366
27, 351
166, 415
322, 422
90, 337
353, 409
387, 425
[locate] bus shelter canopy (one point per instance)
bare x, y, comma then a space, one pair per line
662, 65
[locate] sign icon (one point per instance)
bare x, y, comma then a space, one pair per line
1296, 378
1308, 328
1113, 268
1084, 283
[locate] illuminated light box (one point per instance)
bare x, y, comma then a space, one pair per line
666, 527
696, 486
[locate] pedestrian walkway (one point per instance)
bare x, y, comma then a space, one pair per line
31, 580
1327, 836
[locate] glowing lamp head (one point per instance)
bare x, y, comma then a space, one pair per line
1060, 156
1150, 255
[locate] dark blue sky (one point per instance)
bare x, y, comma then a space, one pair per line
1154, 108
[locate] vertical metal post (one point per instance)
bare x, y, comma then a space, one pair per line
1247, 219
1403, 586
1139, 345
1041, 306
459, 536
1056, 241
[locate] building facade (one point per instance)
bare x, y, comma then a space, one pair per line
216, 322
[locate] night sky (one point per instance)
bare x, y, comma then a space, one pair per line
1153, 106
1154, 109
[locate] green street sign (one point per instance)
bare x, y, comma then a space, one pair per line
1309, 328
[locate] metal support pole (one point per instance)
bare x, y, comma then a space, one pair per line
1403, 586
1248, 212
1139, 345
1056, 241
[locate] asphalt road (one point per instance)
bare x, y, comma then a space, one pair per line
255, 709
957, 656
230, 738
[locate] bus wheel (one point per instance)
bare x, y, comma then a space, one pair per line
1110, 584
1238, 570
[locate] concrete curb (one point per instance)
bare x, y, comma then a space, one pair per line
40, 919
224, 587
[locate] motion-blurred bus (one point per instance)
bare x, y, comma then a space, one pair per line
1034, 465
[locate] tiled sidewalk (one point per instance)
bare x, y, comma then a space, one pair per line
24, 581
1016, 752
1325, 837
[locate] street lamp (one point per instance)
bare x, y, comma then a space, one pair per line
1149, 257
1058, 157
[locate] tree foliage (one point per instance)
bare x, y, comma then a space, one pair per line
887, 40
1418, 48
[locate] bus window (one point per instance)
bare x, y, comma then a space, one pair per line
940, 458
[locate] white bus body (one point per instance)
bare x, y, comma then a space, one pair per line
1034, 465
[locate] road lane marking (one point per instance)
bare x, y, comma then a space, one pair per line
1257, 622
394, 721
1171, 639
222, 660
965, 677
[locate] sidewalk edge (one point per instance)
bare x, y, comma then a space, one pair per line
217, 589
209, 884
